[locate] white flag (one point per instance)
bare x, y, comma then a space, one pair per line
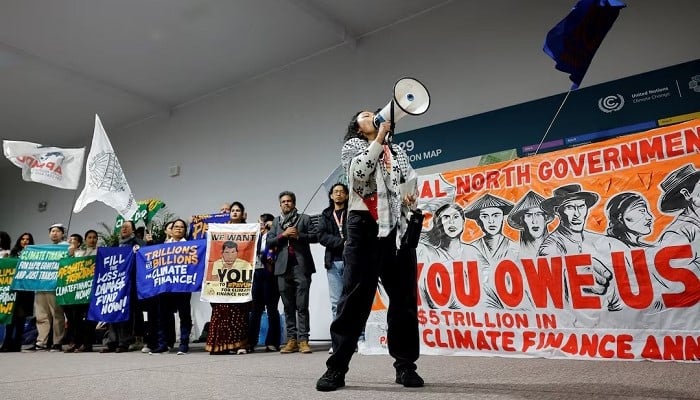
53, 166
104, 179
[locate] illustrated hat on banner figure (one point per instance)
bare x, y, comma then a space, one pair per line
685, 177
531, 200
487, 201
566, 193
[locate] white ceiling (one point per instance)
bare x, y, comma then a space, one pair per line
62, 61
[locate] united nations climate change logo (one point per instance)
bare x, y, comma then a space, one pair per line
611, 103
107, 173
694, 83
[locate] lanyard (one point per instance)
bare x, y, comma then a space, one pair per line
339, 222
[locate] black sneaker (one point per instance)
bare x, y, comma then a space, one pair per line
409, 378
57, 348
330, 381
36, 347
159, 350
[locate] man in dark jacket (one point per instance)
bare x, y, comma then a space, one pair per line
331, 234
291, 235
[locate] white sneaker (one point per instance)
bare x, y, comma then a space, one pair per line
330, 351
145, 349
241, 351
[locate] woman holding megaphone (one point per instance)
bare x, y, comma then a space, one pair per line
383, 190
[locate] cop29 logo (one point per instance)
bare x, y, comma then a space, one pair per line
611, 103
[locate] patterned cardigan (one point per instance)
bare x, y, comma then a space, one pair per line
375, 175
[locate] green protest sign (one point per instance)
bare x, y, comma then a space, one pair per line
146, 211
74, 283
8, 266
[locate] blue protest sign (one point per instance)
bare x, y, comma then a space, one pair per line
170, 267
112, 285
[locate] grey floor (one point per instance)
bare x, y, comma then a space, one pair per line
293, 376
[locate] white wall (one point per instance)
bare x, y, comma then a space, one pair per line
283, 131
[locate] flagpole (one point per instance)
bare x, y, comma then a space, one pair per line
552, 122
75, 196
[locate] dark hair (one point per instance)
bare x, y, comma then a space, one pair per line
183, 223
267, 217
330, 192
352, 130
5, 241
229, 244
89, 231
78, 238
242, 207
18, 246
437, 236
615, 209
290, 194
170, 224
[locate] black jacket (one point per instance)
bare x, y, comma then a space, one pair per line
329, 235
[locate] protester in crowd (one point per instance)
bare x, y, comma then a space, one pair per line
47, 312
169, 303
121, 334
228, 328
225, 208
5, 244
266, 295
331, 234
80, 331
291, 235
382, 190
24, 301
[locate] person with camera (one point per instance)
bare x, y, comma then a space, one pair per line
382, 192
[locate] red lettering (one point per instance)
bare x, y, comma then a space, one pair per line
645, 296
577, 281
467, 294
692, 140
611, 158
505, 275
624, 346
543, 280
594, 163
577, 164
691, 294
603, 349
674, 144
438, 284
651, 349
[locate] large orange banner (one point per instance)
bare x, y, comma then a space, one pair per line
590, 252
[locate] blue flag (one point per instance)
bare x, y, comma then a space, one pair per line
572, 43
111, 285
170, 267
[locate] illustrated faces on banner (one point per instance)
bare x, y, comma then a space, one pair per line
452, 222
638, 219
535, 222
491, 220
692, 197
574, 213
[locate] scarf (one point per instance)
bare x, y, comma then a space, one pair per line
290, 219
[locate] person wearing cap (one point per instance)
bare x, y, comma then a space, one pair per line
681, 194
47, 312
531, 220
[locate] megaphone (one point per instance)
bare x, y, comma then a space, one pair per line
410, 98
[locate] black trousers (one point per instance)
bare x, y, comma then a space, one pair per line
367, 259
80, 331
266, 295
